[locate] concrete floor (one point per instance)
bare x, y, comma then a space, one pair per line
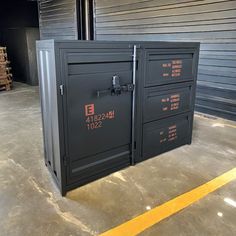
31, 205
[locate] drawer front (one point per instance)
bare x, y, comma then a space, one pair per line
159, 104
166, 69
166, 134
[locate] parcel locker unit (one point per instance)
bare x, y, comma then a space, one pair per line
167, 99
108, 105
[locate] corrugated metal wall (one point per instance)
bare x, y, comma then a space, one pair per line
212, 22
58, 19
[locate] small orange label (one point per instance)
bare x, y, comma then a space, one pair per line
89, 110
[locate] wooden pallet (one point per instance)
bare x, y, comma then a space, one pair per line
2, 63
5, 84
3, 57
5, 70
5, 75
6, 87
3, 50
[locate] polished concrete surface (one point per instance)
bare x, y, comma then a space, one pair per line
30, 204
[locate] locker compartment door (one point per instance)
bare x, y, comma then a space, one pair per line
165, 101
166, 134
167, 69
98, 115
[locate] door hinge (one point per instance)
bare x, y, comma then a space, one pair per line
65, 161
61, 89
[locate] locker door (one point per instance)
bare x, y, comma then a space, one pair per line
98, 113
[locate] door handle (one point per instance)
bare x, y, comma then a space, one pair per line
116, 88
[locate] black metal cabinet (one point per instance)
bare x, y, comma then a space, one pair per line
107, 105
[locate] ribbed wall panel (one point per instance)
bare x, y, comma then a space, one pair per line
58, 19
212, 22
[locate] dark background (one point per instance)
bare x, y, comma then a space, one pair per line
19, 13
16, 16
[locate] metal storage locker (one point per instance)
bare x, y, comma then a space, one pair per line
107, 105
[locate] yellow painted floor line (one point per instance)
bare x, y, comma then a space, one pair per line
152, 217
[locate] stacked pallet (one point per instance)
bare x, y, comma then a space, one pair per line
5, 75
